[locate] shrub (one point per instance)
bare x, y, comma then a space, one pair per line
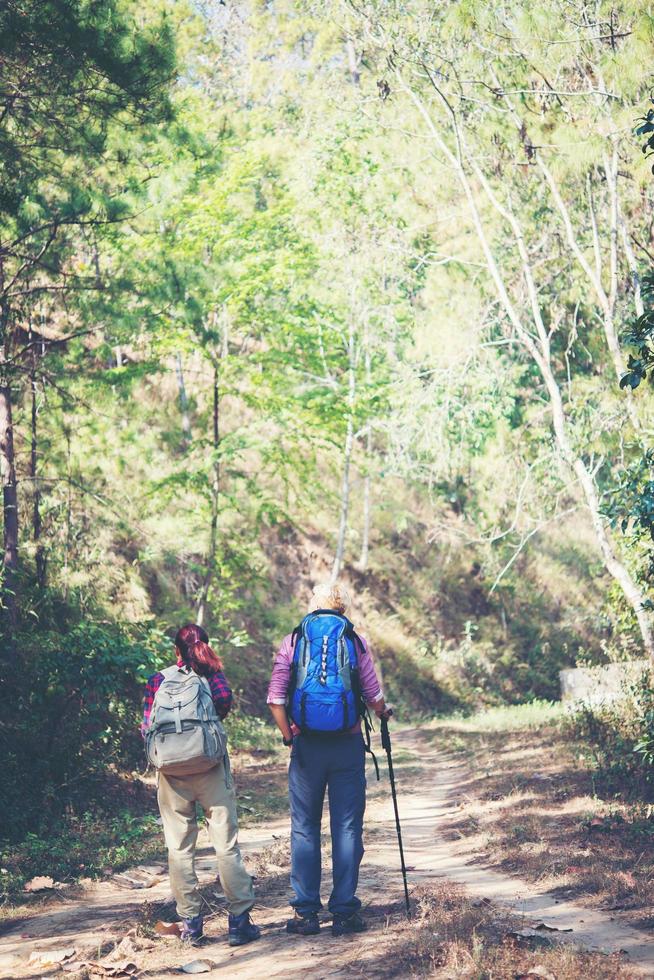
70, 714
620, 741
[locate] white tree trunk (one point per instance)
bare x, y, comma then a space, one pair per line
183, 399
347, 459
202, 604
362, 564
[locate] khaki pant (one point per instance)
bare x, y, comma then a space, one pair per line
214, 791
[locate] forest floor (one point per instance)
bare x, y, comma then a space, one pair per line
470, 917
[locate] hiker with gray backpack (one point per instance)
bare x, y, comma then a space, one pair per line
322, 683
186, 743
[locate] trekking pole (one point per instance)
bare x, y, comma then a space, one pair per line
386, 744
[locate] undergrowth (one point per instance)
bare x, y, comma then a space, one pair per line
89, 846
616, 741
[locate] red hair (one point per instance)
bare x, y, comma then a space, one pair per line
192, 643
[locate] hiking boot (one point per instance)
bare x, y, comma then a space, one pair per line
242, 930
346, 925
191, 931
303, 925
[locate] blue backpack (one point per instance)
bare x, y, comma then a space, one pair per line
325, 696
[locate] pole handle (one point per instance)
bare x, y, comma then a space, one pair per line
385, 734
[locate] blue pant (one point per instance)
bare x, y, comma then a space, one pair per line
318, 762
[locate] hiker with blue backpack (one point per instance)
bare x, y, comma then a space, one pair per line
186, 743
322, 680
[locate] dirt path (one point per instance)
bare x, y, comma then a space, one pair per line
107, 910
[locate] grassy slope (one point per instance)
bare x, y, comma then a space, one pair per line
441, 640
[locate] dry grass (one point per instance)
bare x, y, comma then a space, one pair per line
452, 936
530, 810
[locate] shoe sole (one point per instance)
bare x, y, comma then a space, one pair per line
233, 941
337, 933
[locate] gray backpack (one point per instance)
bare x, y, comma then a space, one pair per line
185, 734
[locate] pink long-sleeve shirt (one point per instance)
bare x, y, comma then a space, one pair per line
281, 677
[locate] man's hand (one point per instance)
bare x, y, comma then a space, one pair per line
281, 718
381, 709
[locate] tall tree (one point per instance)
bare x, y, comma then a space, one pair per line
71, 71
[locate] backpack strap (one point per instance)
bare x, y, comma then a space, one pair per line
301, 656
344, 665
167, 673
357, 642
364, 710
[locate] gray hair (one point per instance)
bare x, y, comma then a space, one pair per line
328, 595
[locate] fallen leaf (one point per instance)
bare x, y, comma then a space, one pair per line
530, 939
118, 970
168, 928
131, 881
537, 971
50, 957
199, 966
479, 902
125, 950
39, 884
546, 926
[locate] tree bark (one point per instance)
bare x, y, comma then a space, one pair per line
9, 505
633, 269
347, 459
201, 613
352, 62
183, 400
202, 605
69, 502
362, 564
8, 481
39, 556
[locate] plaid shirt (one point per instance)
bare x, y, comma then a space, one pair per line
220, 692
